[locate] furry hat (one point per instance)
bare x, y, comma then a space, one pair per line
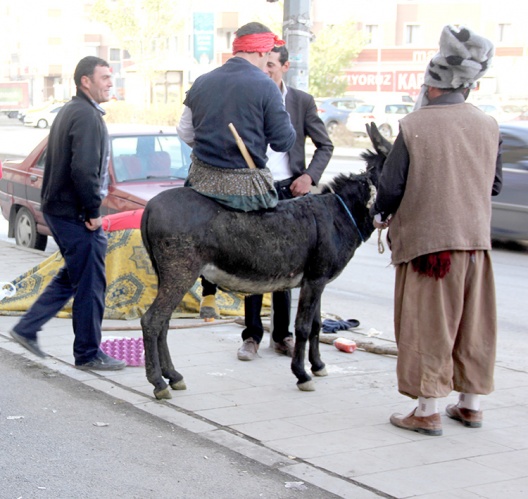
464, 57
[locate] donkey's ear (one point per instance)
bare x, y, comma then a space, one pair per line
380, 143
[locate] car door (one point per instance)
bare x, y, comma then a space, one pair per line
510, 208
33, 190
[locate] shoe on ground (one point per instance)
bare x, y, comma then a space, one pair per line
469, 418
286, 346
31, 345
248, 350
427, 425
102, 362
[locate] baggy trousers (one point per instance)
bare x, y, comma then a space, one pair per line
83, 277
446, 329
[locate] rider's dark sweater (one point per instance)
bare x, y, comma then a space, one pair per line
240, 93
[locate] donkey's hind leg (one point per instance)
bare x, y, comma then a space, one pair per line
152, 323
168, 371
155, 324
314, 355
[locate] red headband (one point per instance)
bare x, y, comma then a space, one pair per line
258, 42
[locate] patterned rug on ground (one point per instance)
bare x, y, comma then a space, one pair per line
131, 284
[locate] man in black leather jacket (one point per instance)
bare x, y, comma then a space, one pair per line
75, 183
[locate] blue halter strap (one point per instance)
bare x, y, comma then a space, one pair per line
351, 217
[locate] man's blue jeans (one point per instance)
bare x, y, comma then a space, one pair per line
83, 277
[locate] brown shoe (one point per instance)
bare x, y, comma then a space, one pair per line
248, 350
469, 418
428, 425
286, 346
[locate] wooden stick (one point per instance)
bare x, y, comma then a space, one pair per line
242, 147
180, 326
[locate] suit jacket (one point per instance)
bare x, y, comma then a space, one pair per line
303, 114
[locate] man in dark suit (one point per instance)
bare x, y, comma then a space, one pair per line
293, 178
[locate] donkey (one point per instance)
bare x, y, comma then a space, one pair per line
304, 242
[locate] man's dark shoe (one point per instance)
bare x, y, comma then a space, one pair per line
31, 345
286, 346
102, 362
469, 418
427, 425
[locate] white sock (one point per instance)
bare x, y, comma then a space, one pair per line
469, 401
426, 407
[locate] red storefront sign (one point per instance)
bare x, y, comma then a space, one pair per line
385, 81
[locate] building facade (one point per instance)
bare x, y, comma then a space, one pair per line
401, 36
42, 40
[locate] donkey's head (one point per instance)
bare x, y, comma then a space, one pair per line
375, 160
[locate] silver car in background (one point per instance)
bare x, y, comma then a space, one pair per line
509, 220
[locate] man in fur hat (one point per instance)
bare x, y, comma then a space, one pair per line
434, 195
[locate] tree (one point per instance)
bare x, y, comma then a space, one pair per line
142, 26
332, 52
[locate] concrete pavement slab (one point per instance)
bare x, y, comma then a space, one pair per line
337, 437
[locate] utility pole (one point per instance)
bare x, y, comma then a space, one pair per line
296, 33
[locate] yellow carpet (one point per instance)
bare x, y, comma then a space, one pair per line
131, 284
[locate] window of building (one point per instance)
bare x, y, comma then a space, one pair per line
372, 34
115, 54
228, 39
412, 35
504, 33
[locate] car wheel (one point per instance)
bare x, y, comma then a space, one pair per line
42, 123
331, 127
26, 231
386, 131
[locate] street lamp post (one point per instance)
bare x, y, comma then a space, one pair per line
296, 33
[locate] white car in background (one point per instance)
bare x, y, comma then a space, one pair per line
386, 117
501, 112
42, 118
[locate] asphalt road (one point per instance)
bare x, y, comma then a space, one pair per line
61, 439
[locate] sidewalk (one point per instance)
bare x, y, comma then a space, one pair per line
337, 437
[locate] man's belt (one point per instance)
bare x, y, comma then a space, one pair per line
283, 183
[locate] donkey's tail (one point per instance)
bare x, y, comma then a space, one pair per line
145, 237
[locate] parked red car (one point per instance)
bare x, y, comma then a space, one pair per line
145, 160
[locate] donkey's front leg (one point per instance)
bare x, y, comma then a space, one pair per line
308, 305
314, 355
304, 380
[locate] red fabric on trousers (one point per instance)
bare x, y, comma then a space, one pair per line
435, 265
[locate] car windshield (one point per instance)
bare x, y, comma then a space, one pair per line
364, 108
140, 157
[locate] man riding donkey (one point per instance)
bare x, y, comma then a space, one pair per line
239, 93
237, 98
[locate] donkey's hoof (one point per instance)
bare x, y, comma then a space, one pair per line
321, 372
162, 394
179, 385
307, 386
